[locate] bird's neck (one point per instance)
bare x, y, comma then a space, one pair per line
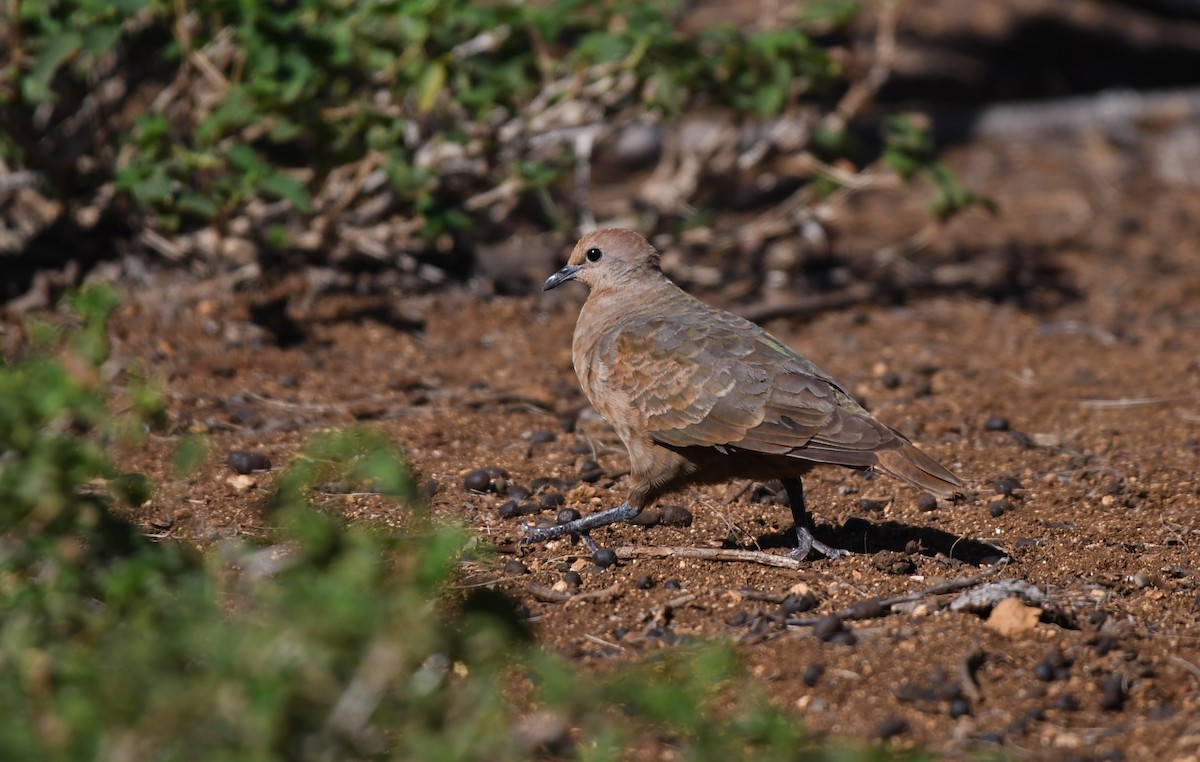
646, 291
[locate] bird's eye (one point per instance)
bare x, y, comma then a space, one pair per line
594, 254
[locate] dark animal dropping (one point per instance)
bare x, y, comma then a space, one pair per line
246, 461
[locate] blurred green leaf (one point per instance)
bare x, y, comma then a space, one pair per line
432, 82
287, 188
132, 489
55, 51
196, 204
189, 455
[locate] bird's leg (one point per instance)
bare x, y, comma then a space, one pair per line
582, 526
806, 543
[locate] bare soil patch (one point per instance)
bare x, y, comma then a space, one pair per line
1071, 402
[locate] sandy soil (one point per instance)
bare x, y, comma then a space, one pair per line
1071, 402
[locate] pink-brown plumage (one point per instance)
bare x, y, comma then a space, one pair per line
700, 395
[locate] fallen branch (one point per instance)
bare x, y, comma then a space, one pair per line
873, 607
627, 552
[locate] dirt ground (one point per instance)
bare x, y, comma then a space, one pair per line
1070, 401
1093, 368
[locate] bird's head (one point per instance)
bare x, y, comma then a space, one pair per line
608, 258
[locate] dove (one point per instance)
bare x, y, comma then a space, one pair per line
700, 396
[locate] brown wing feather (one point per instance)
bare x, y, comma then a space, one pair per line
711, 379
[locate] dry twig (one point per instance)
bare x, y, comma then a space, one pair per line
627, 552
872, 606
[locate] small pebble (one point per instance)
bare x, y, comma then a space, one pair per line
1105, 644
870, 506
515, 567
552, 500
672, 584
868, 609
429, 489
999, 508
891, 379
996, 423
573, 579
927, 502
510, 510
1140, 580
567, 515
843, 638
246, 461
812, 674
542, 437
517, 492
580, 448
1112, 693
796, 604
1052, 667
544, 482
1097, 618
892, 562
892, 727
1066, 703
1007, 486
827, 626
604, 558
644, 583
478, 480
1017, 728
665, 634
675, 516
959, 707
649, 517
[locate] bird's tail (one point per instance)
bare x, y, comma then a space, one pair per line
909, 464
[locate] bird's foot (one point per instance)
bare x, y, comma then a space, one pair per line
806, 544
581, 526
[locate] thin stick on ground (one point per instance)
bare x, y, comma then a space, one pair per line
627, 552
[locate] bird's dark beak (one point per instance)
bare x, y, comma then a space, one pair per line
562, 276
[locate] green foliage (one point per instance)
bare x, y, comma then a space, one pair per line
329, 643
316, 84
910, 152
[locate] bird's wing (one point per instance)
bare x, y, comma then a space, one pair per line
720, 381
